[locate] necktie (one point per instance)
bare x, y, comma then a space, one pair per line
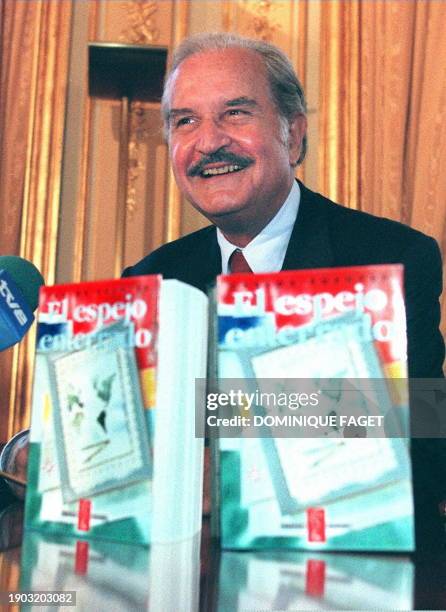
238, 263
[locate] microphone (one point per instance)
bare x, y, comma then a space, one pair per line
20, 282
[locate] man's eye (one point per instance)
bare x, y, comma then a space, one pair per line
236, 112
183, 121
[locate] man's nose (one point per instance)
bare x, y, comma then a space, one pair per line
211, 136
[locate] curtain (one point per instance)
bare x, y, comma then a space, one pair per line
34, 43
383, 110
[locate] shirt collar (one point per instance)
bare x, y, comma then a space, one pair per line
266, 252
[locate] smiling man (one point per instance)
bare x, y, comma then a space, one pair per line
234, 114
232, 153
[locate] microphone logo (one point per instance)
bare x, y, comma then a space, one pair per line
11, 302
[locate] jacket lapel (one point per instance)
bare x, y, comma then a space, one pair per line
310, 245
206, 261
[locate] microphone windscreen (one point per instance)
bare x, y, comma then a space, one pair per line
25, 275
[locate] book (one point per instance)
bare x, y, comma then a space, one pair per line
290, 580
96, 574
310, 418
101, 574
112, 448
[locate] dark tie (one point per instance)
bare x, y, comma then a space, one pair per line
238, 263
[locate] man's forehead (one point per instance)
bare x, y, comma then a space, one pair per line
228, 74
230, 56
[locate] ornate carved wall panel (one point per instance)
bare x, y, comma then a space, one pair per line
142, 22
275, 21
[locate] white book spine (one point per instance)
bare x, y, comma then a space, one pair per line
178, 453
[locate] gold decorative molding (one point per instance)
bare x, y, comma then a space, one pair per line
146, 202
261, 25
258, 21
138, 134
141, 28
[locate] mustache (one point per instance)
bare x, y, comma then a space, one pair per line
219, 156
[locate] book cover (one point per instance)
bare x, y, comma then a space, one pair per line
313, 366
84, 575
289, 580
98, 411
107, 575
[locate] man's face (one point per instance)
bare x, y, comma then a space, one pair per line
228, 151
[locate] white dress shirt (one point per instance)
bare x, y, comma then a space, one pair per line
266, 252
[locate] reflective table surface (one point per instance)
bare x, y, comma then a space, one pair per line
194, 575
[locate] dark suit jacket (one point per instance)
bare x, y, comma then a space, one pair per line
328, 235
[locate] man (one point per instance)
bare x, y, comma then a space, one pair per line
235, 123
234, 115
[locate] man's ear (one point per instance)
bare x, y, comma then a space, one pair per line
297, 131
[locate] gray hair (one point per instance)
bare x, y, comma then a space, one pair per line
286, 91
